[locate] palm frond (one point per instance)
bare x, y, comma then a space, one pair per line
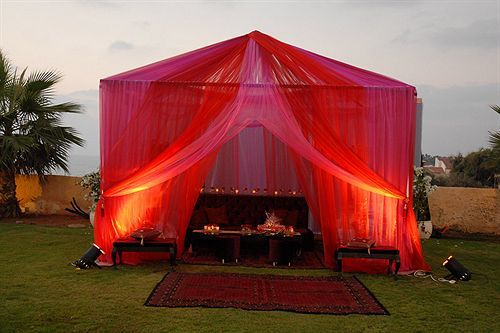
53, 142
41, 85
495, 108
494, 140
15, 94
12, 146
50, 77
33, 138
67, 107
5, 78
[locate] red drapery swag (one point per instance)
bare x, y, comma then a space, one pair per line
348, 134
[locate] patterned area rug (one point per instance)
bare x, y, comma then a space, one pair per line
307, 260
324, 295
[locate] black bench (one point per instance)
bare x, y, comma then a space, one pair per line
153, 245
375, 252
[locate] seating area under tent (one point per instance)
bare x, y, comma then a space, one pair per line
256, 117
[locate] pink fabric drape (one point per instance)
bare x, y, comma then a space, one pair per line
349, 133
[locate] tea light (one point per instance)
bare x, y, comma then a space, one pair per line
211, 228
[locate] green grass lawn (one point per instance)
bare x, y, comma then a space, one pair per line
39, 291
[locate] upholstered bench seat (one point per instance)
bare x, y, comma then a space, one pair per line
154, 245
375, 252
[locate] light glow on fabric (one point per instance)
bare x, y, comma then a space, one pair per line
346, 134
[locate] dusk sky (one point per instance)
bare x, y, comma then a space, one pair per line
449, 50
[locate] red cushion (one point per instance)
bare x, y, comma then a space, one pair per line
145, 233
361, 242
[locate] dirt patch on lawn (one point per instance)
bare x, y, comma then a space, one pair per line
49, 220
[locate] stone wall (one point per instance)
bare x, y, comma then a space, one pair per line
50, 197
466, 209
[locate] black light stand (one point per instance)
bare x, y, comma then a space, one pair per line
457, 270
88, 259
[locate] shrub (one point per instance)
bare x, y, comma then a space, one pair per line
421, 188
92, 181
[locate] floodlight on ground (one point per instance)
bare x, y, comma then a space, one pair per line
456, 269
88, 259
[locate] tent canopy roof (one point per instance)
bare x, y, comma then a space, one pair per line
256, 59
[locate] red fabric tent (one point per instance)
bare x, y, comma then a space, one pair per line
347, 133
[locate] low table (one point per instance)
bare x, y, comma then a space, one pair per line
262, 240
153, 245
376, 252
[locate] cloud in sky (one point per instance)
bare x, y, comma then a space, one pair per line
457, 119
483, 34
480, 34
448, 49
385, 4
120, 45
97, 3
142, 23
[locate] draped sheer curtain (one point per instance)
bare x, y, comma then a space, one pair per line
341, 135
254, 162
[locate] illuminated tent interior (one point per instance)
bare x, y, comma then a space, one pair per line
342, 136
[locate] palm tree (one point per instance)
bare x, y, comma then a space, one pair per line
495, 145
32, 137
495, 136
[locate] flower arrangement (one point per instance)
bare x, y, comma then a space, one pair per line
272, 224
421, 189
92, 181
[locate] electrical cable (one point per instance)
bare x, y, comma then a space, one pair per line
424, 274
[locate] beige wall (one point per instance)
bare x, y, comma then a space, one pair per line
50, 197
466, 209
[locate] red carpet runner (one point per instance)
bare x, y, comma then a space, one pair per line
325, 295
